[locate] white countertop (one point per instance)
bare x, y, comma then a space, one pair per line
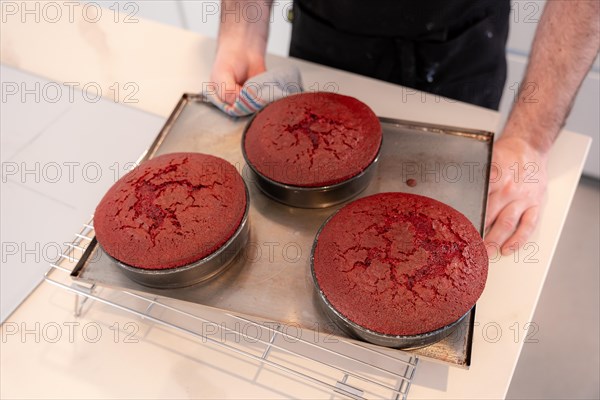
165, 62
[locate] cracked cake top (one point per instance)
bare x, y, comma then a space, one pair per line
313, 139
171, 210
400, 264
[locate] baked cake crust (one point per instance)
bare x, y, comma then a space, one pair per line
400, 264
170, 211
313, 139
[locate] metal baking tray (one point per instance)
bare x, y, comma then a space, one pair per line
270, 279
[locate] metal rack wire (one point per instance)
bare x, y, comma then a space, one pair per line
344, 367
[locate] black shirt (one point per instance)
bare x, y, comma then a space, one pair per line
399, 18
454, 48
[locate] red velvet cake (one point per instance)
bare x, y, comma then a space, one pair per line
313, 139
171, 211
400, 264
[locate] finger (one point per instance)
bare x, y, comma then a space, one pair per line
505, 224
527, 224
496, 202
495, 178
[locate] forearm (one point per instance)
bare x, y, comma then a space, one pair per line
245, 23
242, 43
564, 48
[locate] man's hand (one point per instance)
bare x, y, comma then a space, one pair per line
233, 66
517, 187
241, 47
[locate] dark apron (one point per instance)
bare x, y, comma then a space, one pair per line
453, 48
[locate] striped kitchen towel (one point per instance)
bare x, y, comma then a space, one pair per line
259, 91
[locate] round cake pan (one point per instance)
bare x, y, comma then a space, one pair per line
198, 271
353, 329
310, 197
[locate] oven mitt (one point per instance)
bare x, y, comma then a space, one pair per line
259, 91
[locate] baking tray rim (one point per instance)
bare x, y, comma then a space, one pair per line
474, 134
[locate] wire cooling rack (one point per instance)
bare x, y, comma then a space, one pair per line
346, 368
